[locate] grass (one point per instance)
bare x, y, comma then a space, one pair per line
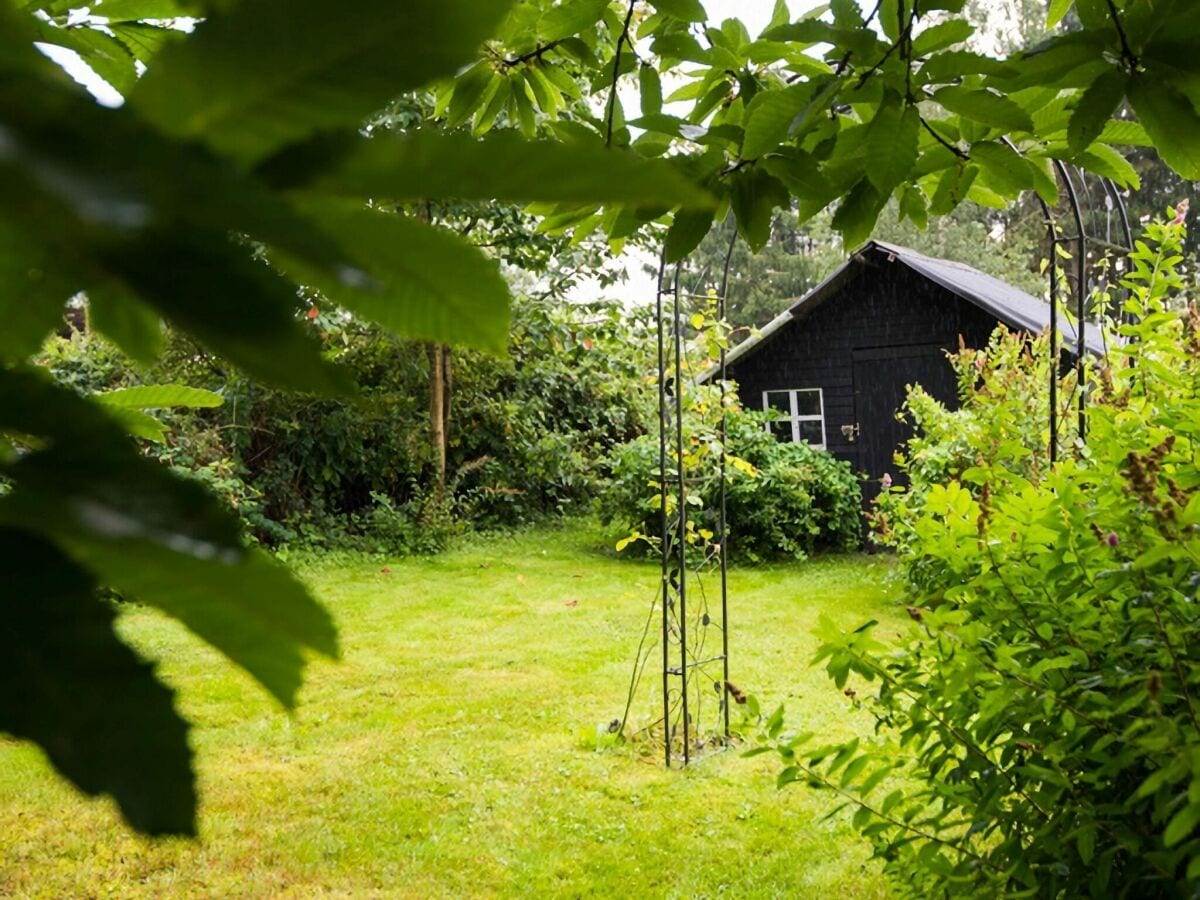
453, 750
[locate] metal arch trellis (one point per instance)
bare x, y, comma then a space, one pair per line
686, 671
690, 667
1073, 183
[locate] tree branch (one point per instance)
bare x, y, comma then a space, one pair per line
961, 154
897, 823
622, 39
1126, 53
535, 53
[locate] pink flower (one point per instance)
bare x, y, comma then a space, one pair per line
886, 481
1112, 539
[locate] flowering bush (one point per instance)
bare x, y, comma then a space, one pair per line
783, 500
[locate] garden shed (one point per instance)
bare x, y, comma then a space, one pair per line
838, 361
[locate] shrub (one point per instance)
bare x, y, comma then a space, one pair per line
782, 499
1001, 420
528, 433
1039, 734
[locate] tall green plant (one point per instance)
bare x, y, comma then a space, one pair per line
1000, 423
1039, 731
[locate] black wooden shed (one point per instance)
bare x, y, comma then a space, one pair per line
838, 362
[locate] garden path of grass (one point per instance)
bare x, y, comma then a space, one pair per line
451, 752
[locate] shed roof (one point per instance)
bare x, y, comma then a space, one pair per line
1008, 304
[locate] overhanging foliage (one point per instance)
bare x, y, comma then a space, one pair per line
205, 201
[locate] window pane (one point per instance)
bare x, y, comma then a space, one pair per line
810, 432
782, 430
779, 400
808, 403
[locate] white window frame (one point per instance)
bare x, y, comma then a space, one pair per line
795, 417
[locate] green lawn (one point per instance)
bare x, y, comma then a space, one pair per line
452, 751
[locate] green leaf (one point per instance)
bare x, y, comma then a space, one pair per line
891, 146
952, 187
684, 10
236, 306
104, 54
133, 10
846, 13
468, 92
1058, 9
769, 118
140, 424
153, 536
36, 289
1125, 132
1045, 179
132, 181
890, 14
544, 94
144, 41
501, 166
802, 174
160, 396
421, 281
257, 76
952, 64
569, 18
940, 36
858, 212
1093, 14
781, 15
1054, 62
1094, 108
913, 206
1181, 824
688, 229
986, 107
651, 90
1105, 161
755, 195
69, 685
1172, 123
495, 97
130, 324
140, 216
253, 610
1005, 169
526, 116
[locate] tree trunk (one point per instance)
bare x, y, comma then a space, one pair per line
438, 393
447, 391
